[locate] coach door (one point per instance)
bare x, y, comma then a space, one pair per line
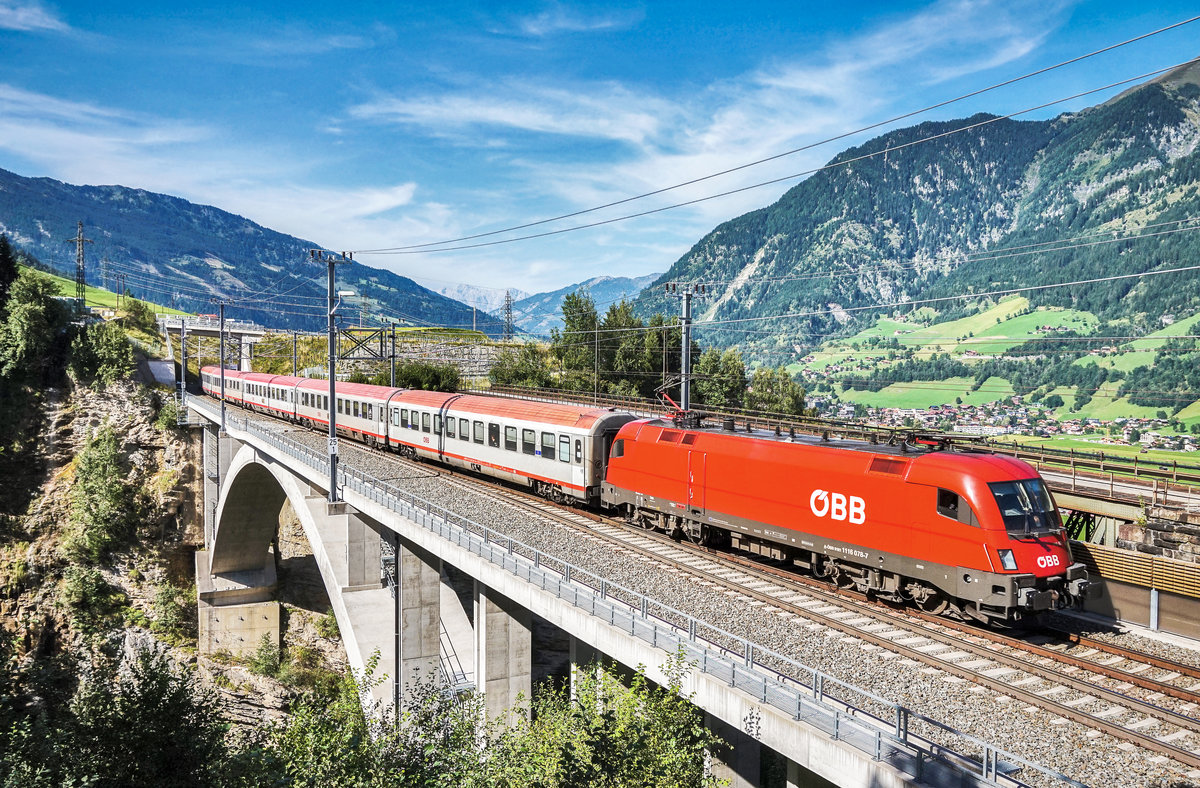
696, 481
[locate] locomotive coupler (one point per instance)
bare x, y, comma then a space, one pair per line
1035, 600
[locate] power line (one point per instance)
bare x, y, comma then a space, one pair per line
830, 166
791, 152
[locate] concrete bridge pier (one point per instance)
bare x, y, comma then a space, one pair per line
503, 651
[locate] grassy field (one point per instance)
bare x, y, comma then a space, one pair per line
98, 297
1093, 444
1158, 338
990, 333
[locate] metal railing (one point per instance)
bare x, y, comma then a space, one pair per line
872, 724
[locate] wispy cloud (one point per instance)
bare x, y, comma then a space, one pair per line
15, 15
559, 18
294, 39
603, 111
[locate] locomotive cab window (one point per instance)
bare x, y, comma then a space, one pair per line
510, 438
1026, 506
528, 441
618, 448
951, 504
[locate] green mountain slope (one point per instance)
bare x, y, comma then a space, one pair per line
919, 222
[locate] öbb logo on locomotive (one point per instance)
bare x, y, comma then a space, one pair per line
1047, 561
838, 506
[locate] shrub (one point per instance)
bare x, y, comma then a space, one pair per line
327, 626
102, 354
103, 507
265, 661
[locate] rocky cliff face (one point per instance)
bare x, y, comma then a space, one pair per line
146, 584
907, 216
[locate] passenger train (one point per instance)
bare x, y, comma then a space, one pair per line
974, 536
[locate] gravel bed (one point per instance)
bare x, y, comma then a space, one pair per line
1130, 638
1092, 758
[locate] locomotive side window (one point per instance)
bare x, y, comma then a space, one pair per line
548, 445
510, 438
478, 431
424, 422
494, 435
529, 441
618, 448
951, 504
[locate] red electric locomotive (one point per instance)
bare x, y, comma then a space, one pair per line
971, 535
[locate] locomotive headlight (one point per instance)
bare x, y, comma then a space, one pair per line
1006, 560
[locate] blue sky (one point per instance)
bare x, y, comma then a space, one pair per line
380, 125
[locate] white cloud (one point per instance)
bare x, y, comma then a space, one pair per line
604, 111
559, 18
15, 15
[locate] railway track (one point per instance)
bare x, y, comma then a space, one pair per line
1134, 697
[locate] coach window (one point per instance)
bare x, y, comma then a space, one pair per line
437, 424
464, 429
416, 420
578, 451
510, 438
564, 448
395, 417
450, 427
478, 431
493, 435
528, 441
548, 445
404, 417
425, 422
339, 404
356, 409
951, 504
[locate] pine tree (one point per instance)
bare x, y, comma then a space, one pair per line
8, 268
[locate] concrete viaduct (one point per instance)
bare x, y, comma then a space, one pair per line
480, 611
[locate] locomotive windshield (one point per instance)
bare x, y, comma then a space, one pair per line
1026, 506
